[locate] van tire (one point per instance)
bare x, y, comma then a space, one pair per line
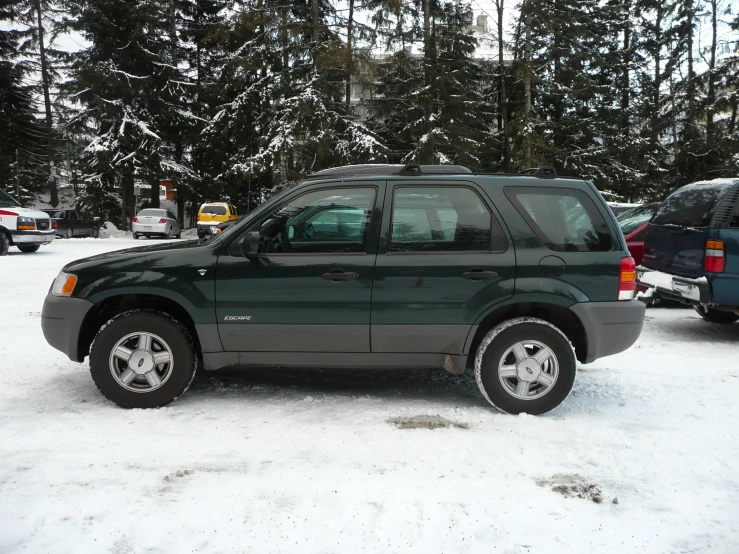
495, 351
29, 248
716, 316
4, 243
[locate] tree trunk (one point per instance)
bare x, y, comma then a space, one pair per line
349, 56
154, 198
527, 86
428, 156
625, 78
656, 104
503, 94
691, 74
711, 74
316, 23
285, 52
45, 83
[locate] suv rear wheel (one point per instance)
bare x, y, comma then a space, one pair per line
142, 359
716, 316
525, 365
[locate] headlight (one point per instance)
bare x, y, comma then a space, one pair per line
26, 224
214, 230
64, 284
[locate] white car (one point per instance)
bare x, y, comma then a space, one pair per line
25, 228
156, 222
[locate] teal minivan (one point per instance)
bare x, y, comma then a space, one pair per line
513, 277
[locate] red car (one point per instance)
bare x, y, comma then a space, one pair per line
634, 226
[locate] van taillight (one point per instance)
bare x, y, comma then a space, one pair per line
715, 260
627, 279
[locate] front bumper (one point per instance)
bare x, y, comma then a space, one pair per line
61, 322
693, 290
155, 229
610, 327
33, 237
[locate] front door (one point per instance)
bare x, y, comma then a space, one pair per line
309, 287
443, 261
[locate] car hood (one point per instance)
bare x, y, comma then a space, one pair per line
26, 212
155, 251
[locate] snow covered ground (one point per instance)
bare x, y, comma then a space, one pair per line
306, 461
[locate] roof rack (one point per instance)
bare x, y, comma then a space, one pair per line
389, 169
543, 172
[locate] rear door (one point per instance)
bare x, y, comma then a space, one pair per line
443, 260
308, 289
675, 241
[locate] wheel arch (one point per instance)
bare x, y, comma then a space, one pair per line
111, 306
552, 311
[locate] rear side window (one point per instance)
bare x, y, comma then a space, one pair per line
693, 205
442, 219
565, 220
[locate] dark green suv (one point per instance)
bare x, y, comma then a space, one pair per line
512, 276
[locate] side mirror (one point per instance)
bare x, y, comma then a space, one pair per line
290, 232
250, 244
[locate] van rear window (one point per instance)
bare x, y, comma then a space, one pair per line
565, 220
693, 205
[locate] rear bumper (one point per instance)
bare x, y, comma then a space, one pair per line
692, 290
33, 237
610, 327
61, 322
155, 229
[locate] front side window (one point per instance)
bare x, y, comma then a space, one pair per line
564, 220
72, 215
324, 221
442, 219
631, 220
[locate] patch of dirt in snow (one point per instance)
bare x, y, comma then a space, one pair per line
572, 485
425, 422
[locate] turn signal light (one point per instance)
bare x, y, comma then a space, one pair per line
26, 227
627, 279
715, 260
64, 284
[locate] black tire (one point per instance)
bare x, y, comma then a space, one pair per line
29, 248
95, 232
716, 316
4, 244
502, 338
149, 321
178, 235
68, 233
135, 236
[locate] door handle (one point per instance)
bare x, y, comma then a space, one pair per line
478, 275
339, 276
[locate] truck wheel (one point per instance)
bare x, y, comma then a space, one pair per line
716, 316
135, 236
142, 359
28, 248
68, 234
95, 232
4, 244
525, 365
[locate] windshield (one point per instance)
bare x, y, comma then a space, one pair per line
693, 205
55, 214
152, 213
631, 220
7, 201
214, 210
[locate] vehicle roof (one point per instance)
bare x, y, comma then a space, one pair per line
214, 204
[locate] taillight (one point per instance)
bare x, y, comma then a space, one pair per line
135, 220
715, 260
55, 225
627, 279
162, 220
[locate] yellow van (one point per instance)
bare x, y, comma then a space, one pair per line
213, 213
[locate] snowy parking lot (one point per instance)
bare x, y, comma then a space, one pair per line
643, 456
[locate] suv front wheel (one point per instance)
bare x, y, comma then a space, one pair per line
525, 365
142, 359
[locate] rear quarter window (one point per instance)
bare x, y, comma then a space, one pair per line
564, 220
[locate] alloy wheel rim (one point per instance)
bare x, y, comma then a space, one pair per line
528, 370
141, 362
